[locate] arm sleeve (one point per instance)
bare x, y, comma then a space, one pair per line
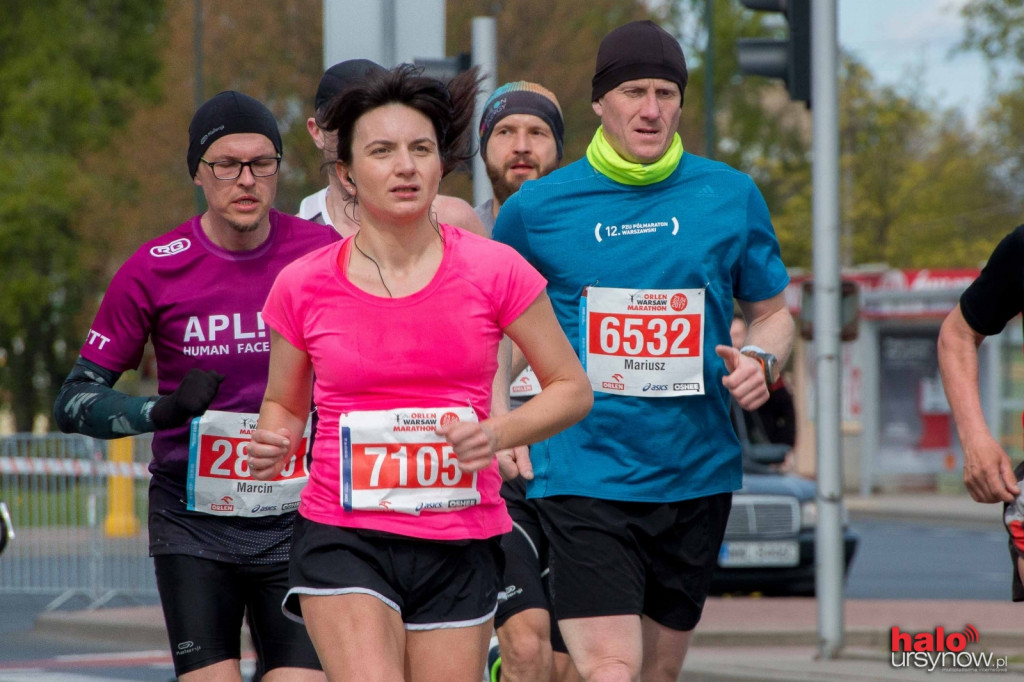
87, 403
996, 296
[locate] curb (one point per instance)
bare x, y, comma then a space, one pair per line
144, 626
134, 626
866, 640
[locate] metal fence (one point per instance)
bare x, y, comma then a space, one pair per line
78, 507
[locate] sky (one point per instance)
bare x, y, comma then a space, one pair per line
902, 39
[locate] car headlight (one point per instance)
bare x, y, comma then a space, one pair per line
808, 514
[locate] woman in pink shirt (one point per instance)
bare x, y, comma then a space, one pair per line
395, 331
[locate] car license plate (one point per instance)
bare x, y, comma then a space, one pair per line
775, 553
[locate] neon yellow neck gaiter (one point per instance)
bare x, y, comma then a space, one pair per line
608, 162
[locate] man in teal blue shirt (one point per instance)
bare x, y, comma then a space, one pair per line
645, 247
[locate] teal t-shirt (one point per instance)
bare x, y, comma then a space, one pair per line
706, 227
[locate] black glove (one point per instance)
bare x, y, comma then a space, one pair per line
193, 395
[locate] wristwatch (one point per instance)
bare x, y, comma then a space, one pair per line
769, 363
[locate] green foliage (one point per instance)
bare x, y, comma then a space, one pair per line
917, 188
551, 43
994, 28
92, 157
70, 74
921, 189
758, 130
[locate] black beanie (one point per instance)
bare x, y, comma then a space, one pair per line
227, 113
339, 77
640, 49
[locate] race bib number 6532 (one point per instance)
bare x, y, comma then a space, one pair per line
392, 460
644, 342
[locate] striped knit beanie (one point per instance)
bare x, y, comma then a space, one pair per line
522, 97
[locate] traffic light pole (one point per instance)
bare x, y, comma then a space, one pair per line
829, 549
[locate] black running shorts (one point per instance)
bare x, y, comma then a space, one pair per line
204, 602
526, 561
617, 558
432, 584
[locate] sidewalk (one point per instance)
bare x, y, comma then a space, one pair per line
744, 638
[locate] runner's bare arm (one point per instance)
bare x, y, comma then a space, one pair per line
284, 410
988, 472
566, 396
770, 327
513, 461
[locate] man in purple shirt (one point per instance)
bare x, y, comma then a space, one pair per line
220, 540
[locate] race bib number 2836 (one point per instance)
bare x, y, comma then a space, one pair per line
218, 469
644, 342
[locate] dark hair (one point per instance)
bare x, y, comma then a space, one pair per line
449, 107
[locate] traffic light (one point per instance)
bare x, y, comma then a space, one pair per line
788, 59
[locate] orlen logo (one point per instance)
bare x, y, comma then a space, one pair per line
227, 506
448, 418
175, 247
942, 650
678, 302
616, 384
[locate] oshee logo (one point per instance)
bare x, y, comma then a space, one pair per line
941, 650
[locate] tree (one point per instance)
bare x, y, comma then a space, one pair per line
96, 100
551, 43
70, 74
921, 190
994, 27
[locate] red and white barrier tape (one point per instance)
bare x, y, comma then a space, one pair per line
72, 467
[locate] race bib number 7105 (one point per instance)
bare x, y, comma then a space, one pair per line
392, 460
644, 342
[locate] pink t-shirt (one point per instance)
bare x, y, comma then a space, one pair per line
435, 348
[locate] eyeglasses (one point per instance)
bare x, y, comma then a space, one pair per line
230, 170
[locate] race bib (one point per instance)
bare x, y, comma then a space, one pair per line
525, 385
391, 460
643, 342
218, 469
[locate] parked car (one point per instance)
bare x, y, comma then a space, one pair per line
769, 540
